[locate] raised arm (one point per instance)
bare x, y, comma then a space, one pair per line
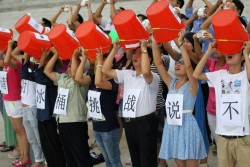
56, 15
75, 14
79, 77
16, 54
189, 4
112, 9
7, 59
246, 52
208, 4
197, 48
98, 12
90, 13
145, 63
107, 66
198, 74
49, 67
99, 82
189, 69
159, 63
74, 62
173, 53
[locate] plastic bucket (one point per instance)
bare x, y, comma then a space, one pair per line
27, 23
129, 29
165, 23
91, 38
64, 41
5, 36
33, 43
229, 32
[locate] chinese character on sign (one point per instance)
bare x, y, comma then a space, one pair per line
60, 102
230, 109
25, 84
3, 82
93, 103
130, 103
173, 110
40, 96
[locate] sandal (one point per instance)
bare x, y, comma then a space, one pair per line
7, 149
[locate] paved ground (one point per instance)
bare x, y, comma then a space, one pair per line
8, 20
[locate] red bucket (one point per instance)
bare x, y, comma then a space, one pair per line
229, 32
91, 37
165, 23
129, 29
64, 41
5, 36
27, 23
33, 43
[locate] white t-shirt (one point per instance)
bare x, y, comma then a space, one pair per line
147, 99
231, 102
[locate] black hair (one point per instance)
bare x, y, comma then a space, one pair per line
121, 8
47, 22
142, 16
80, 19
150, 54
181, 3
240, 6
243, 22
189, 37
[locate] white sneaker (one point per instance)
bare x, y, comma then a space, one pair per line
128, 162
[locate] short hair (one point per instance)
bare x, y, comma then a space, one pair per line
143, 16
47, 22
181, 3
240, 6
80, 19
121, 8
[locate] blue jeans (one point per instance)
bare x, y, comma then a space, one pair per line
108, 143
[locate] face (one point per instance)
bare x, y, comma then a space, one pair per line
188, 44
234, 59
136, 58
180, 68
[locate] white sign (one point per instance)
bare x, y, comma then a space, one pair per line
130, 100
174, 109
3, 82
230, 112
61, 101
28, 92
41, 37
32, 22
40, 96
94, 109
4, 30
71, 33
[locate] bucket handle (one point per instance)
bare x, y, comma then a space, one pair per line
229, 40
172, 29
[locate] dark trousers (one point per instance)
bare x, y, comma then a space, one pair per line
74, 138
50, 142
141, 137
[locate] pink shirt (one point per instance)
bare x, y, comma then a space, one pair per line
211, 103
14, 83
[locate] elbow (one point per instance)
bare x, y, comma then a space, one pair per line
6, 62
195, 75
146, 73
77, 78
98, 84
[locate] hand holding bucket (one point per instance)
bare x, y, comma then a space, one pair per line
92, 37
5, 36
229, 33
164, 21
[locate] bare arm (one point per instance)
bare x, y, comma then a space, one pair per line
246, 52
74, 62
189, 4
90, 13
7, 59
56, 15
98, 12
16, 54
189, 69
79, 77
76, 11
112, 9
49, 67
173, 53
99, 82
107, 66
145, 63
159, 64
208, 4
198, 74
197, 47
